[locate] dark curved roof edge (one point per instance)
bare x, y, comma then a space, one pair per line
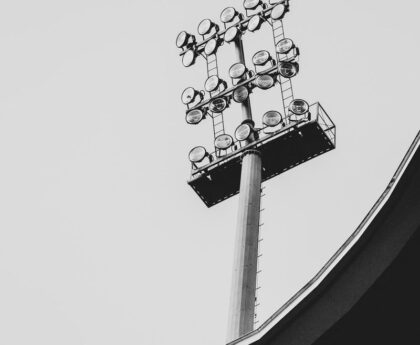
354, 268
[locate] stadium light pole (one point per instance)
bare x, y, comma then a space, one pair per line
245, 262
283, 142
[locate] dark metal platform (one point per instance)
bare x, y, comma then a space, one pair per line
281, 150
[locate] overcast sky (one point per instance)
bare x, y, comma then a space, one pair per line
102, 242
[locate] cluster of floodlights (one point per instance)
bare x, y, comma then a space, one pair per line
298, 110
235, 24
243, 82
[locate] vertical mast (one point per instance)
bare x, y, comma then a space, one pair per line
243, 290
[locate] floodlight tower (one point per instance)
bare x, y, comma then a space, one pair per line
287, 138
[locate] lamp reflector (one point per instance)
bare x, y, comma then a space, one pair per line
189, 58
241, 94
205, 26
212, 83
272, 118
188, 95
182, 39
211, 47
265, 81
218, 105
251, 4
288, 69
228, 14
194, 117
299, 107
223, 141
197, 154
284, 46
278, 12
261, 58
243, 132
237, 70
231, 34
254, 23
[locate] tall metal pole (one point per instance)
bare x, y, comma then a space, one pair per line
242, 301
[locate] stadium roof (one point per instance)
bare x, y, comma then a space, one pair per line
368, 292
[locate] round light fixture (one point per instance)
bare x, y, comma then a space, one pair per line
243, 132
211, 47
261, 58
182, 39
278, 12
212, 83
205, 26
231, 34
223, 141
218, 105
265, 81
272, 118
254, 23
197, 154
241, 94
299, 107
189, 58
237, 70
284, 46
288, 69
251, 4
188, 95
194, 117
228, 14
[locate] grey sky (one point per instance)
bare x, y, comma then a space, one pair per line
101, 240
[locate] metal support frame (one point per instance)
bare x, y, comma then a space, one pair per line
217, 118
285, 84
245, 263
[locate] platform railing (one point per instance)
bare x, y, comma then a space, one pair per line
326, 123
220, 157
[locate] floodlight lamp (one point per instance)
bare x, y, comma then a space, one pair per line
288, 69
223, 142
190, 94
272, 118
240, 94
299, 107
261, 58
251, 4
184, 38
197, 154
243, 132
284, 46
278, 12
237, 71
211, 47
218, 105
254, 23
231, 34
189, 58
228, 14
265, 81
213, 83
194, 117
205, 27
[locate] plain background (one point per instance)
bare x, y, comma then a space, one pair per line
102, 242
